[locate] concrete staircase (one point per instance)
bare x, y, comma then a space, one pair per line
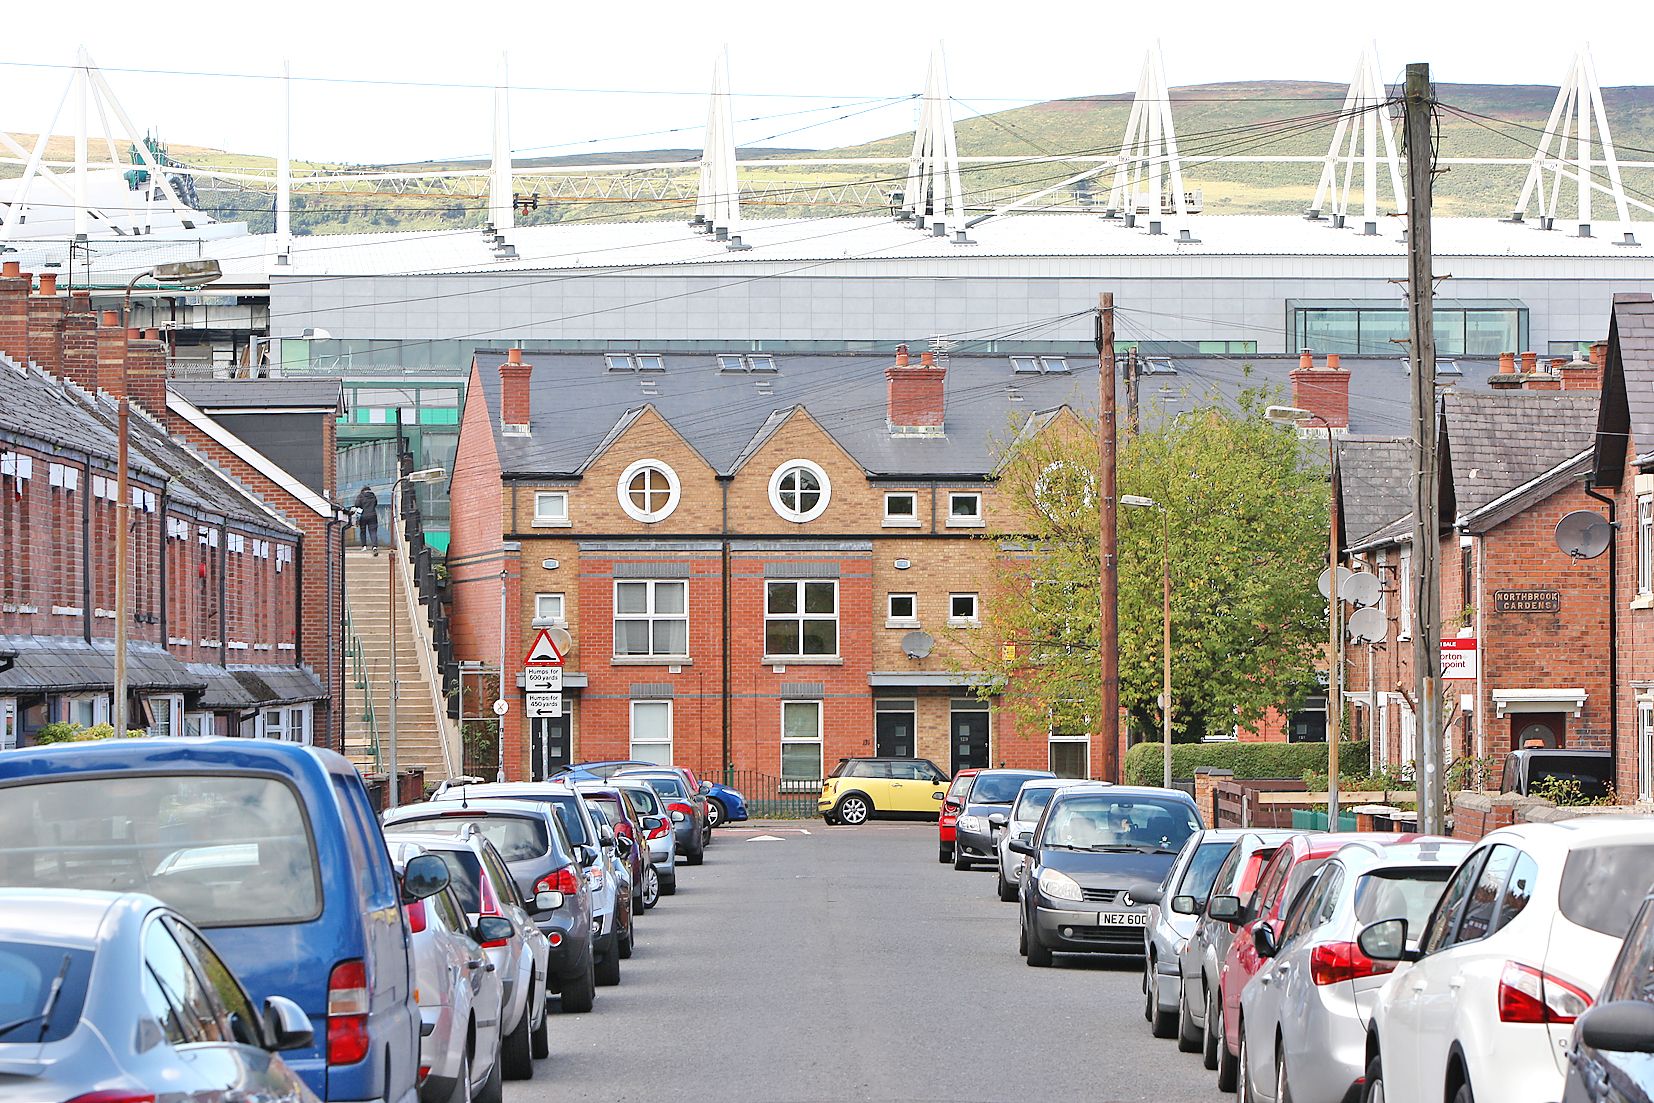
419, 729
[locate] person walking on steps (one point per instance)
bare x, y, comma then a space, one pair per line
367, 519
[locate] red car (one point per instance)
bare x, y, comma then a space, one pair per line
952, 805
1291, 866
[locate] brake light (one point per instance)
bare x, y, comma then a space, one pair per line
1527, 995
680, 806
660, 831
424, 1071
950, 809
347, 1013
416, 916
564, 881
1333, 962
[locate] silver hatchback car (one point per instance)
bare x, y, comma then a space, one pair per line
1169, 929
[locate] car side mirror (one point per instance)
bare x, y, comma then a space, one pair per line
606, 835
1263, 940
424, 875
494, 929
1185, 905
997, 819
1150, 894
286, 1026
624, 845
1226, 908
653, 823
1386, 940
705, 789
1624, 1026
1023, 844
588, 854
939, 795
548, 900
677, 817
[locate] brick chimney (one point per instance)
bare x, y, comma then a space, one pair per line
112, 339
916, 397
1324, 391
515, 407
1580, 374
80, 341
14, 310
146, 371
45, 318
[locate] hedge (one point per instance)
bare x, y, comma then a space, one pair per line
1144, 762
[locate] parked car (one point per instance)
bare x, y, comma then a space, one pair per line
623, 816
1289, 868
1198, 964
107, 996
506, 932
953, 802
1169, 929
860, 788
1516, 950
1611, 1061
688, 811
1303, 1018
534, 839
459, 993
699, 793
657, 834
616, 852
1592, 771
1096, 851
270, 847
987, 809
1025, 813
724, 804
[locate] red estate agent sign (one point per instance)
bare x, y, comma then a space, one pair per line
1459, 659
544, 652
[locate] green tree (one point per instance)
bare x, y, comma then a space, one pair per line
1247, 504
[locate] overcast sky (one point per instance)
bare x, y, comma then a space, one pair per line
796, 65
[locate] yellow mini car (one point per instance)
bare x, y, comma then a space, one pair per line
862, 787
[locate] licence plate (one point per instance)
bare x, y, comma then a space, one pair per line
1123, 919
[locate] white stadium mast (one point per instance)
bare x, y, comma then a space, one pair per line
1364, 119
1148, 156
934, 196
718, 194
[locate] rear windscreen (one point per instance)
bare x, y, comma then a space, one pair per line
517, 838
1603, 886
644, 800
1593, 775
1408, 894
669, 787
1031, 803
226, 850
998, 788
29, 972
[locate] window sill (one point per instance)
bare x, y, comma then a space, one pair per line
901, 522
966, 523
803, 660
651, 660
964, 622
1643, 601
542, 523
902, 622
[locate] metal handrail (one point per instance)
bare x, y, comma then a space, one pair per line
359, 675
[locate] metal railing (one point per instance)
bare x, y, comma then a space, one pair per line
359, 678
423, 590
774, 798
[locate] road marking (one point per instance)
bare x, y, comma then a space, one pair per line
765, 839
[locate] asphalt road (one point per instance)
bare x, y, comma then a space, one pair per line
848, 964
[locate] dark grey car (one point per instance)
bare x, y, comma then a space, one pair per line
1612, 1057
987, 805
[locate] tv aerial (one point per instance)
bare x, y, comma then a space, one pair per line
917, 645
1584, 534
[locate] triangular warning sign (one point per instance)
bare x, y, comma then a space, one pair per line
544, 652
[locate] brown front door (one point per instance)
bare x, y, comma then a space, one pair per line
1537, 729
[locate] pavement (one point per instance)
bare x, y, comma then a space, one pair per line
832, 964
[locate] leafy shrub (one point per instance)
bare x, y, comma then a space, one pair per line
1565, 793
1470, 772
1388, 777
64, 731
1249, 761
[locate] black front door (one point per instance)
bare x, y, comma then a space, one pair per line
970, 740
548, 746
893, 734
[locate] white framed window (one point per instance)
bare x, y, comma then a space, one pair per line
964, 509
1070, 755
1063, 490
1645, 545
962, 611
1645, 750
199, 724
652, 731
800, 619
1025, 365
902, 611
551, 507
800, 491
901, 508
800, 744
291, 724
1409, 736
87, 709
64, 476
8, 723
648, 491
651, 619
166, 713
549, 607
1404, 584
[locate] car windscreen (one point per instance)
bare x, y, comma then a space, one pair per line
645, 800
1031, 803
1603, 886
1409, 894
226, 850
1203, 870
517, 838
1118, 821
29, 974
998, 788
568, 812
464, 876
668, 787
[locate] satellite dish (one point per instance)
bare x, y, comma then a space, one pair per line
1321, 582
917, 645
561, 637
1361, 590
1584, 534
1366, 625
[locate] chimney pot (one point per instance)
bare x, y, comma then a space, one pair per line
1507, 363
48, 283
111, 318
513, 356
133, 333
11, 268
927, 359
1530, 361
1306, 359
152, 335
901, 356
1334, 362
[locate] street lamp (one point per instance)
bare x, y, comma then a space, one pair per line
423, 475
1293, 415
186, 273
1140, 502
306, 334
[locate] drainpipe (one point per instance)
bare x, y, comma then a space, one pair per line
162, 546
1613, 624
86, 550
223, 592
728, 764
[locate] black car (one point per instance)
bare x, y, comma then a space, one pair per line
1592, 771
1096, 854
1612, 1060
990, 796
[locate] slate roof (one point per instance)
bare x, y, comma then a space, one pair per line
1375, 483
250, 687
260, 394
65, 664
1498, 440
1627, 389
577, 403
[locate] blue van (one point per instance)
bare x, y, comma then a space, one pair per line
271, 848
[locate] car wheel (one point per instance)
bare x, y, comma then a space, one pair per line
1162, 1024
697, 856
854, 810
1208, 1040
1228, 1064
1189, 1037
944, 853
1464, 1094
1022, 939
579, 990
669, 885
1007, 891
1283, 1093
651, 889
625, 944
516, 1051
540, 1038
608, 970
960, 859
462, 1085
493, 1089
1039, 955
716, 813
1374, 1091
1243, 1073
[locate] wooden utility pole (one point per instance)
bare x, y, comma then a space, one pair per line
1166, 643
1418, 106
123, 517
1133, 369
1107, 764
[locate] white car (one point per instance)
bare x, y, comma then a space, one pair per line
1031, 800
1515, 951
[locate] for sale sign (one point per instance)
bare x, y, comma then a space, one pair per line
1459, 659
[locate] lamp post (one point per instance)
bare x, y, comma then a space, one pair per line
1293, 415
303, 335
1141, 502
190, 273
424, 475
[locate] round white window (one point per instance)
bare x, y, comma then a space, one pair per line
648, 491
800, 490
